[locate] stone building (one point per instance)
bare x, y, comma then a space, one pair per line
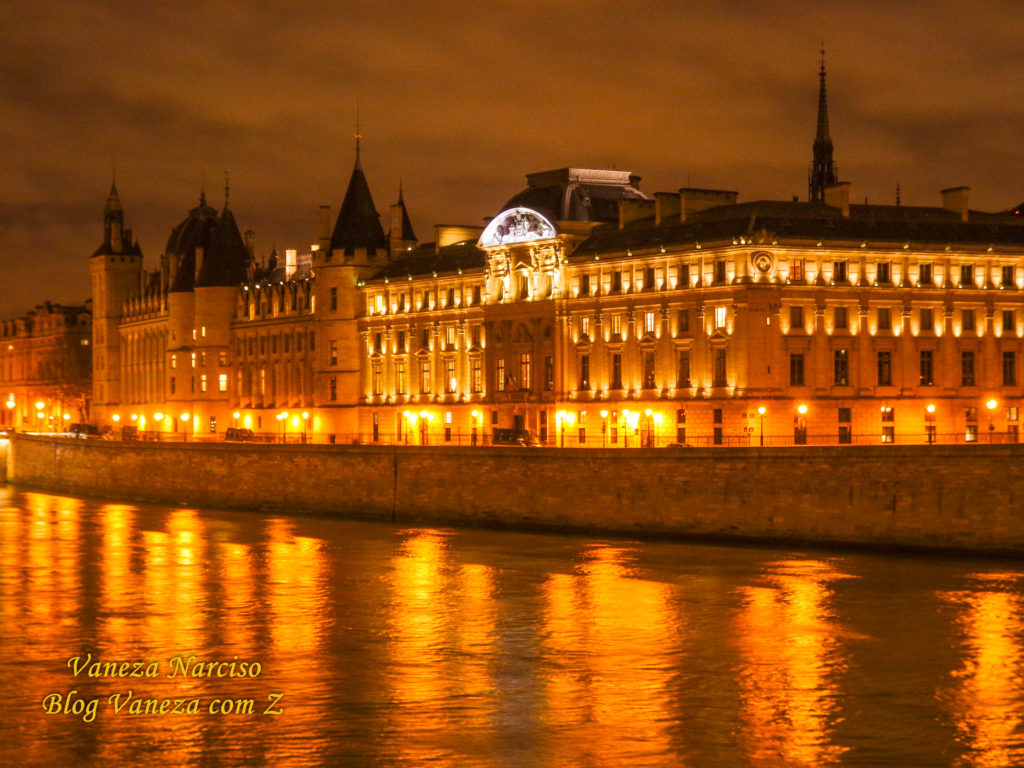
586, 311
45, 366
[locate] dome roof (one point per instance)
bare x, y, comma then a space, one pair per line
196, 231
577, 194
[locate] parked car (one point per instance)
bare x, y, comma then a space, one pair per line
129, 432
85, 431
522, 437
239, 435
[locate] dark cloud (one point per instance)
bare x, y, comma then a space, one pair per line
460, 100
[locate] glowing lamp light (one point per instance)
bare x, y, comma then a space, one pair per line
10, 403
40, 414
604, 414
235, 415
424, 415
476, 414
40, 405
158, 416
184, 417
135, 417
991, 404
930, 408
648, 412
762, 410
801, 409
116, 417
305, 414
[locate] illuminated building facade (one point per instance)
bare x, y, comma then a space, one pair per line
45, 368
585, 311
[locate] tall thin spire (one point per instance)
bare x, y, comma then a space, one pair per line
823, 168
358, 136
227, 188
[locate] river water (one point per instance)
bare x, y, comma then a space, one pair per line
391, 645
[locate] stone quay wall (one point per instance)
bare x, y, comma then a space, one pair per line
967, 497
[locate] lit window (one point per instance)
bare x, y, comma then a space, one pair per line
222, 383
649, 322
721, 313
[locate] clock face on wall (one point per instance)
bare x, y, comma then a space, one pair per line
516, 225
762, 261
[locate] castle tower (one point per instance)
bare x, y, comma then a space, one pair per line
186, 251
356, 250
823, 168
223, 269
116, 270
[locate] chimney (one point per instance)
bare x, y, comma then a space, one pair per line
324, 233
633, 210
666, 204
250, 245
838, 196
955, 199
694, 200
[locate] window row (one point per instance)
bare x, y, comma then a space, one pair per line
884, 378
420, 301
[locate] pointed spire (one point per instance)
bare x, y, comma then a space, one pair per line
113, 201
406, 234
227, 189
358, 223
202, 188
358, 136
823, 168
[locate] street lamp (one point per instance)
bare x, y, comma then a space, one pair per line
761, 412
305, 425
604, 427
647, 440
991, 405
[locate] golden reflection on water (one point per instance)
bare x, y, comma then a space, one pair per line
42, 595
298, 608
792, 661
441, 646
612, 642
986, 699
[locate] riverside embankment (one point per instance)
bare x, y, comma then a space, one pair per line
962, 497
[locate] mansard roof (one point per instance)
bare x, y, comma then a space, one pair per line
427, 260
804, 221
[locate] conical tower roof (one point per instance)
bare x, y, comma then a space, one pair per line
406, 234
227, 258
113, 202
358, 224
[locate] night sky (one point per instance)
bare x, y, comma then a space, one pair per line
459, 100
